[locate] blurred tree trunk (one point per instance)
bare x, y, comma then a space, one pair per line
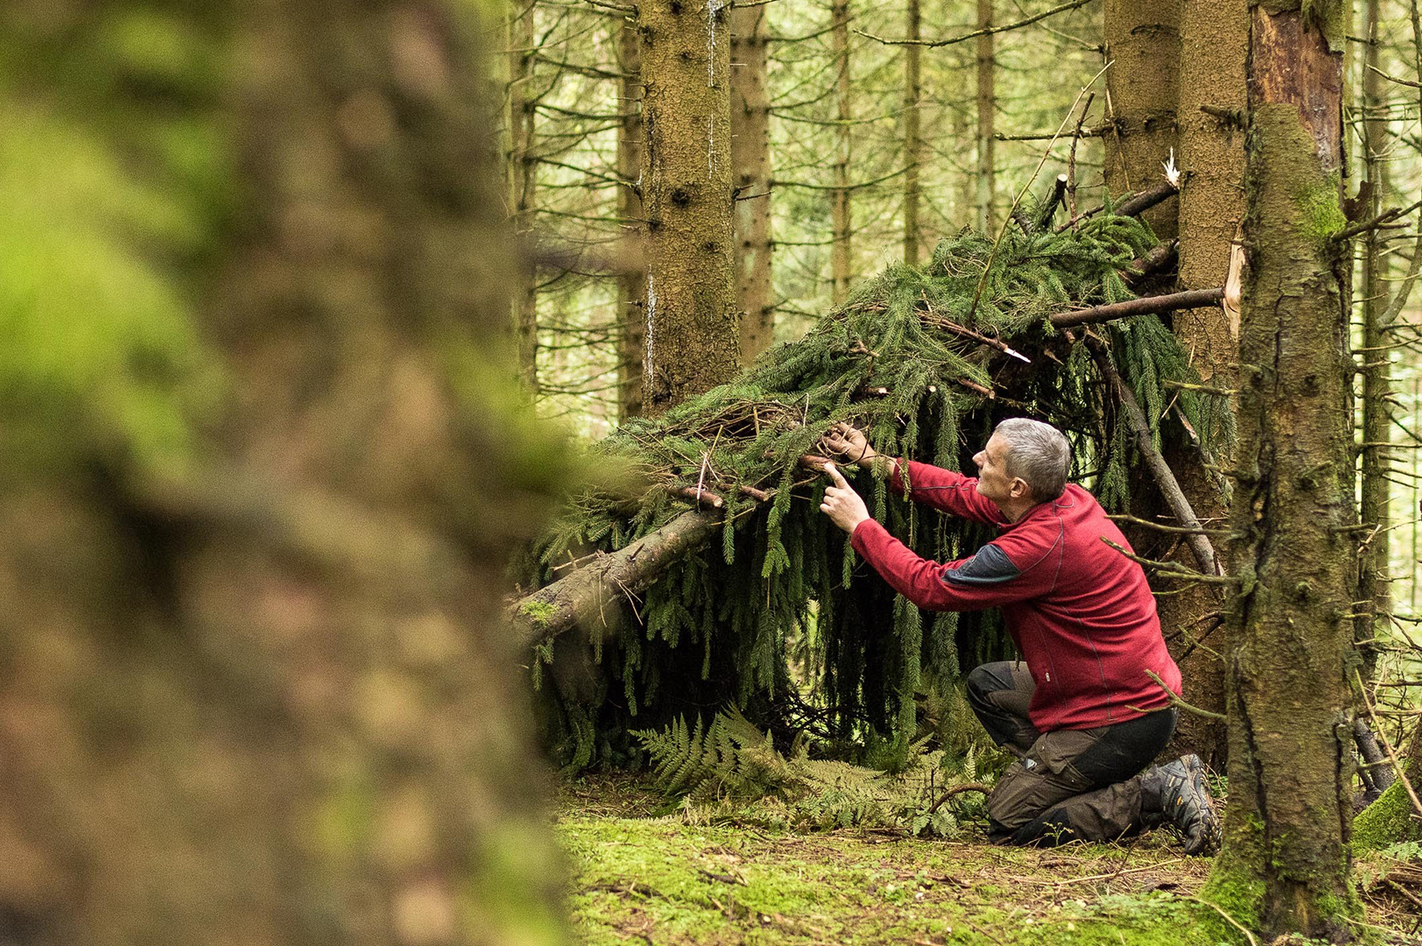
523, 182
1214, 37
1143, 45
693, 343
841, 223
987, 104
631, 285
1286, 862
262, 695
913, 144
750, 157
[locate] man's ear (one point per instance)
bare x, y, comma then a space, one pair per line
1019, 488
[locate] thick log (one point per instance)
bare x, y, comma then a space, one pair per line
1146, 305
1199, 543
596, 590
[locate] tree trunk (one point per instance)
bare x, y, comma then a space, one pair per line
631, 285
913, 145
1142, 85
692, 338
523, 183
1374, 498
750, 157
237, 705
964, 189
987, 102
1286, 861
1214, 40
841, 261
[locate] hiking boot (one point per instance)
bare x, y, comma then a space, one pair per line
1175, 794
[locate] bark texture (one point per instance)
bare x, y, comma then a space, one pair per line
237, 708
692, 341
1286, 860
631, 286
1142, 87
750, 157
1214, 38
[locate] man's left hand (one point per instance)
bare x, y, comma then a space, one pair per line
841, 503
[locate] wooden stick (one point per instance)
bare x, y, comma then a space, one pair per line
1174, 496
1146, 305
699, 496
1131, 206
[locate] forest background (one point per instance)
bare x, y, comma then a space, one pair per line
264, 458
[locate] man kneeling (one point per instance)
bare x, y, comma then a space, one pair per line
1083, 715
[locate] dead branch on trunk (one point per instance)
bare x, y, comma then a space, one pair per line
1198, 542
1146, 305
1132, 206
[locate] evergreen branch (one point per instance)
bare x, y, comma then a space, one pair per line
1007, 219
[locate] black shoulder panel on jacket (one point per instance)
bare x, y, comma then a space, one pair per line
990, 566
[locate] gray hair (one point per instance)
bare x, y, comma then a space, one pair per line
1037, 453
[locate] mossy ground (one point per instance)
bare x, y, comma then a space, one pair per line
642, 875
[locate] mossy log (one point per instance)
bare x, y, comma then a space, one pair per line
593, 592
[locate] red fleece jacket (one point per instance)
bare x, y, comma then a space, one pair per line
1080, 612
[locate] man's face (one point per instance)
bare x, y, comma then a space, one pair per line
993, 481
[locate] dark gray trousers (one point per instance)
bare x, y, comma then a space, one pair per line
1068, 783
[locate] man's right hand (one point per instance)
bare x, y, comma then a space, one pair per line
849, 443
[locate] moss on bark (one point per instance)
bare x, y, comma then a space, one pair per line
1286, 860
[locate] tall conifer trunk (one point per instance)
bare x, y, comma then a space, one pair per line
523, 181
841, 260
1143, 45
1286, 863
631, 284
236, 689
692, 341
1374, 587
1214, 40
750, 157
913, 145
987, 104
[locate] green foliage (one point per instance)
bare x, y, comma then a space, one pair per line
729, 769
903, 360
1389, 820
112, 182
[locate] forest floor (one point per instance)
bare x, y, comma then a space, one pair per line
643, 873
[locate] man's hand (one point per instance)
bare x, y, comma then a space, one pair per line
842, 504
850, 443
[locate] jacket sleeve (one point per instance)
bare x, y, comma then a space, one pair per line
943, 489
987, 579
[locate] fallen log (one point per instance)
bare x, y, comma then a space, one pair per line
596, 590
1146, 305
